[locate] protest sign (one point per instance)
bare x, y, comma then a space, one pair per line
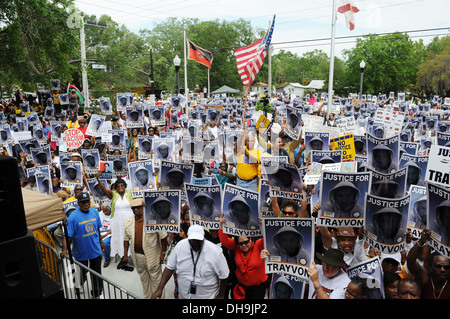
91, 160
285, 178
346, 144
192, 149
438, 168
293, 122
105, 106
265, 202
145, 146
417, 211
286, 287
205, 204
342, 199
141, 175
106, 167
386, 221
240, 209
392, 185
98, 195
290, 242
117, 140
317, 141
173, 175
134, 117
157, 115
71, 173
41, 155
163, 149
347, 125
161, 211
438, 218
44, 183
417, 167
95, 125
326, 157
262, 124
372, 272
120, 167
383, 153
409, 147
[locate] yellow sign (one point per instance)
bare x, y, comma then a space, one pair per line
345, 143
262, 124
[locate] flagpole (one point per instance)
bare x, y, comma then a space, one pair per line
208, 83
83, 66
331, 75
186, 95
270, 72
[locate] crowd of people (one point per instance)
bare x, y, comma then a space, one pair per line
209, 263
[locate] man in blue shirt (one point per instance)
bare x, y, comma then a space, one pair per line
83, 227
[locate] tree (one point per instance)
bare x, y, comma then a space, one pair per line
391, 63
433, 75
35, 38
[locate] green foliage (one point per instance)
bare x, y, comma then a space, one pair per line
391, 63
35, 39
434, 73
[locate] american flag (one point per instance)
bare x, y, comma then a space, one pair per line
249, 59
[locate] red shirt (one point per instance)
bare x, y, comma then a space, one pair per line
250, 269
427, 291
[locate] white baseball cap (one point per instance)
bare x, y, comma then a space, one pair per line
196, 232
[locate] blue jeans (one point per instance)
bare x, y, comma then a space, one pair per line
251, 185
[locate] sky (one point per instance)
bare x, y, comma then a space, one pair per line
300, 26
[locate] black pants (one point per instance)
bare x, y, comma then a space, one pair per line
255, 292
96, 265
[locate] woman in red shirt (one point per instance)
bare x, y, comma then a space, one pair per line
250, 268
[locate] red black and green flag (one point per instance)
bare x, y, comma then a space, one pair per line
77, 91
199, 54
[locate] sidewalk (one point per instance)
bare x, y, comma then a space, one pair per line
130, 281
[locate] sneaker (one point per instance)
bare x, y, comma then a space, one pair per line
120, 265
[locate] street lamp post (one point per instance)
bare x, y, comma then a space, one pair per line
177, 62
362, 65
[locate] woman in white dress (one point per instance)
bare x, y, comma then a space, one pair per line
121, 198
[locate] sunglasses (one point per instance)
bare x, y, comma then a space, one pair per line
288, 213
136, 207
242, 243
439, 266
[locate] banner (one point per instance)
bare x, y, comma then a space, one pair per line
372, 272
346, 144
438, 218
342, 199
383, 153
386, 221
418, 210
290, 242
438, 168
205, 204
240, 209
174, 175
161, 211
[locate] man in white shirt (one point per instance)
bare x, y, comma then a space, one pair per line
202, 269
328, 280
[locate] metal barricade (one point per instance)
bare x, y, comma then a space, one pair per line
75, 279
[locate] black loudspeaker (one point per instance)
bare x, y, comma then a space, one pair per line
11, 203
19, 269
